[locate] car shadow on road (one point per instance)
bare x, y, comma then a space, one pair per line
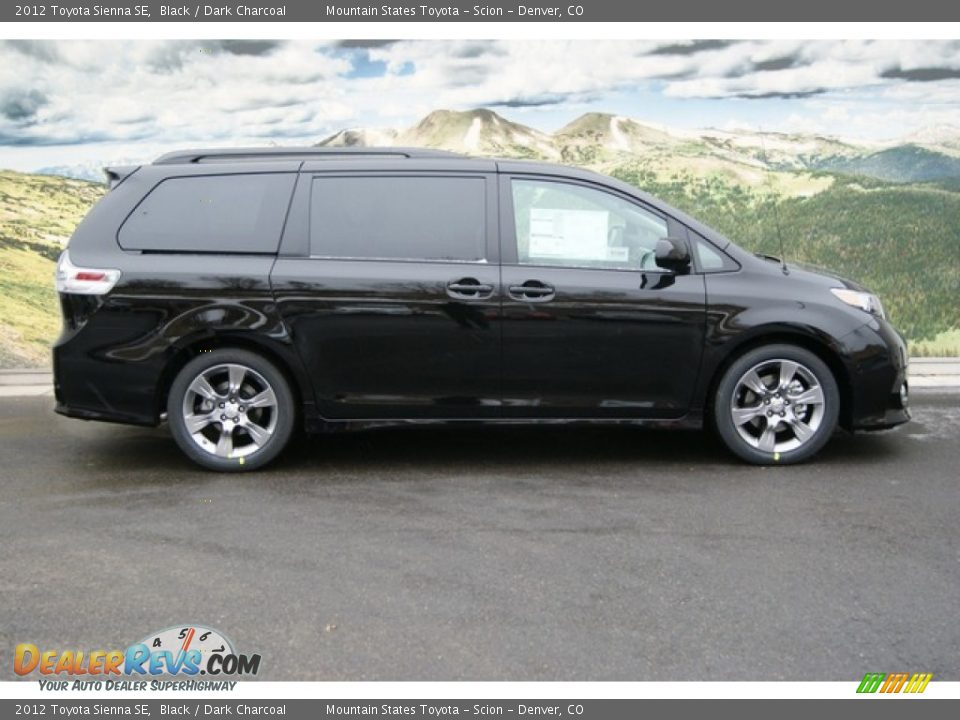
462, 450
504, 446
531, 447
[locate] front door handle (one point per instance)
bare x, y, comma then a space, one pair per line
532, 291
469, 288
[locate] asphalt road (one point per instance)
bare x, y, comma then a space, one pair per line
516, 554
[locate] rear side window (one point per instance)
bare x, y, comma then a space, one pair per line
211, 213
398, 218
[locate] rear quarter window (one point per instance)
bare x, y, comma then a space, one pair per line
211, 213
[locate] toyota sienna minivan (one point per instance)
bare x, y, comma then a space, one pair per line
240, 294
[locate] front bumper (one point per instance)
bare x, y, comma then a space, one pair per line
877, 363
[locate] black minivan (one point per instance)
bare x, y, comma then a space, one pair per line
238, 294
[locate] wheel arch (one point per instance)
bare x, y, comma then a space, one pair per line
188, 350
786, 336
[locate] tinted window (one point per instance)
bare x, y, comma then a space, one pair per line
420, 218
576, 226
222, 213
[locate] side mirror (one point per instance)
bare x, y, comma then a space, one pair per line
672, 254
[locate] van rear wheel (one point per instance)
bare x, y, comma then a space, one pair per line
230, 410
777, 405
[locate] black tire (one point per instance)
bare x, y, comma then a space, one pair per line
773, 410
259, 372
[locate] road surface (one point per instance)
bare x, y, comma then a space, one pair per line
471, 554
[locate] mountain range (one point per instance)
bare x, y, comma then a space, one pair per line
604, 140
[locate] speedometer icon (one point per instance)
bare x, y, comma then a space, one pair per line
180, 639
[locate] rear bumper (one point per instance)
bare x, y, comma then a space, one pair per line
90, 384
96, 414
877, 362
82, 392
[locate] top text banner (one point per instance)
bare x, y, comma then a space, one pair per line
496, 10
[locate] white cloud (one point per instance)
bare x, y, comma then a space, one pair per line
165, 93
172, 91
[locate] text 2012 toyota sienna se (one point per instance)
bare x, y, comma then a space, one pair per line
241, 293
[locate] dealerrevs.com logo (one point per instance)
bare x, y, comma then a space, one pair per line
187, 650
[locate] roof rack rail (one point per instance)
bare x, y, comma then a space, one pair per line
293, 153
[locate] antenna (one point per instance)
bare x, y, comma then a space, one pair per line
776, 210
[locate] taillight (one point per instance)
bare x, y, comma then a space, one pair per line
74, 280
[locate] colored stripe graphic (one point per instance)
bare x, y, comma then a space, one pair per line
871, 682
918, 683
894, 682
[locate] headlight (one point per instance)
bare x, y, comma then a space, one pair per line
868, 302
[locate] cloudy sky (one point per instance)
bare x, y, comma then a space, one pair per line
76, 102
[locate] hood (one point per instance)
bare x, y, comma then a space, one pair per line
815, 275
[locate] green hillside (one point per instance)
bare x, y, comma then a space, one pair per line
37, 214
906, 163
901, 239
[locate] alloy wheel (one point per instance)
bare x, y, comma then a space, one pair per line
778, 405
230, 410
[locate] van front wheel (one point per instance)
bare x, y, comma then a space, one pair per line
777, 405
230, 410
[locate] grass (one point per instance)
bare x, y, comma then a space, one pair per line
28, 308
945, 344
38, 213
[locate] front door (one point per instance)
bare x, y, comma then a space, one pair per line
592, 328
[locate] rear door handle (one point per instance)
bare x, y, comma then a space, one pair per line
469, 288
532, 291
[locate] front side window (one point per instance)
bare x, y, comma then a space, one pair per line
710, 258
398, 218
241, 213
572, 225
